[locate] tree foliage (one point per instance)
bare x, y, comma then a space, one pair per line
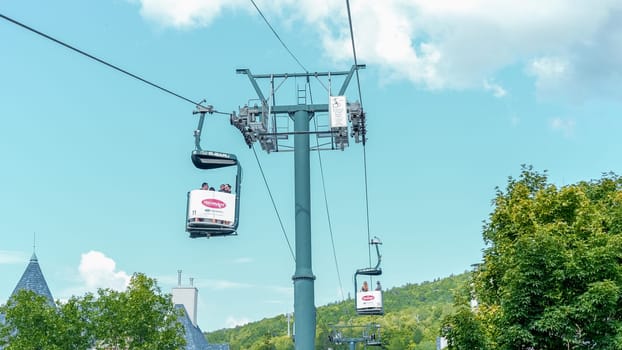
463, 328
551, 276
141, 317
31, 323
413, 315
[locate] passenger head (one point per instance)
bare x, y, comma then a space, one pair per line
204, 186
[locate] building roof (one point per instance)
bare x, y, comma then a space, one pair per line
195, 339
33, 280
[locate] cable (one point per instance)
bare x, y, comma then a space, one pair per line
162, 89
100, 60
278, 37
367, 204
330, 226
274, 204
358, 82
110, 65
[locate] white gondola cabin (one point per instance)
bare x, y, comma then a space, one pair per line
368, 301
213, 213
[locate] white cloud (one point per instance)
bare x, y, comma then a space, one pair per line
496, 89
183, 14
99, 271
233, 322
12, 257
551, 73
549, 68
454, 45
199, 282
281, 290
243, 260
445, 44
565, 126
224, 284
215, 284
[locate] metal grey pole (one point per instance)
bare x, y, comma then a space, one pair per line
304, 304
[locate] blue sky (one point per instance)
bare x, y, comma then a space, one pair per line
458, 96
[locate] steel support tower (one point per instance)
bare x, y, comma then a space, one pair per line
260, 123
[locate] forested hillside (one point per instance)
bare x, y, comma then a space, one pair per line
412, 320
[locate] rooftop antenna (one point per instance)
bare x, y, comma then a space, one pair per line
34, 245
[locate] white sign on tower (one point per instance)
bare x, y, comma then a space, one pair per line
338, 111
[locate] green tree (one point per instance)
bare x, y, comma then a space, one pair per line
31, 323
139, 318
463, 330
283, 343
75, 331
265, 344
551, 276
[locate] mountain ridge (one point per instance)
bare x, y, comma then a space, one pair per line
412, 320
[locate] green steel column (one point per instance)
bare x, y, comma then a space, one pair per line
304, 304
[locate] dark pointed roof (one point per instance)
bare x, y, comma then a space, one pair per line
195, 339
33, 280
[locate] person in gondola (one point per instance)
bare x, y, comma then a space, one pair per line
225, 188
365, 287
204, 187
378, 286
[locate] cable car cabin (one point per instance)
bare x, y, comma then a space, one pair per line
209, 212
368, 301
369, 335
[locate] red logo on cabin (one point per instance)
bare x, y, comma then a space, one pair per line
368, 297
214, 203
